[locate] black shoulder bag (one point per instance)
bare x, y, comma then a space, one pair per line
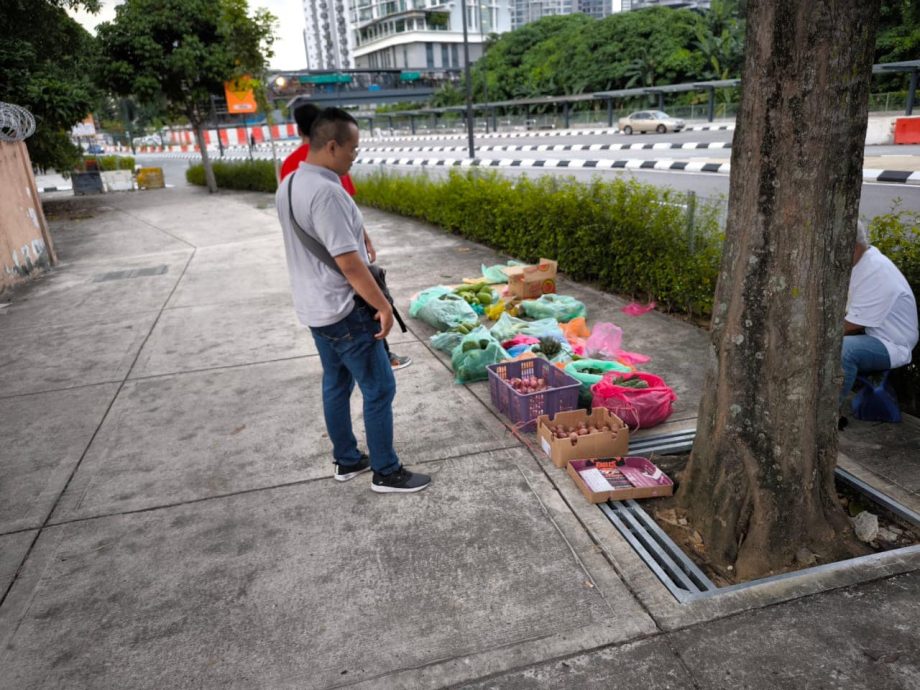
318, 250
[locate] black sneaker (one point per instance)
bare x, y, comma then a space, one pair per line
402, 481
345, 472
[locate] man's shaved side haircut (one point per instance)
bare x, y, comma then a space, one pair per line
332, 123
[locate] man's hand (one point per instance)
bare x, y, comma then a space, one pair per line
386, 323
359, 277
371, 252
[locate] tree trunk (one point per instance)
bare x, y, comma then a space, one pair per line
205, 159
760, 481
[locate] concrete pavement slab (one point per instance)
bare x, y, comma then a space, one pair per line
649, 664
258, 330
891, 451
85, 291
863, 637
13, 549
104, 232
57, 357
240, 220
234, 273
179, 438
39, 450
315, 585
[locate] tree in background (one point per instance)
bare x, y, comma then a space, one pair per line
574, 54
45, 60
183, 51
759, 485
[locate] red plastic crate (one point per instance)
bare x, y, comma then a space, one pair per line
523, 409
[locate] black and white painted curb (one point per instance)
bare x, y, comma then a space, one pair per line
573, 164
542, 133
691, 166
657, 146
869, 174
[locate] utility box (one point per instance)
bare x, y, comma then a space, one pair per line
118, 180
150, 178
87, 183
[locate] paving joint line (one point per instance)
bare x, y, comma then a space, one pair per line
92, 438
232, 494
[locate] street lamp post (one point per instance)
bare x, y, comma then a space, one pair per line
469, 83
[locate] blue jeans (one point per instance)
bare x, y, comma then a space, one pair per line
350, 353
861, 354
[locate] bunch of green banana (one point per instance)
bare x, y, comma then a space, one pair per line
476, 293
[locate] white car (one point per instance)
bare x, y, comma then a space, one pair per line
650, 121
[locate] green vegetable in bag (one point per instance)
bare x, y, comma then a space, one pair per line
475, 352
446, 342
585, 371
560, 307
422, 298
446, 311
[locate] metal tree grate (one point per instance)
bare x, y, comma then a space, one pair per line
676, 571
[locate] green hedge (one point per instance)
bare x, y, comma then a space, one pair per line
629, 237
106, 163
254, 176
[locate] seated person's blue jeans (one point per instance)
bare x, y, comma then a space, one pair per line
861, 354
350, 353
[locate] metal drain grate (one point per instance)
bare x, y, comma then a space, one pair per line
132, 273
676, 571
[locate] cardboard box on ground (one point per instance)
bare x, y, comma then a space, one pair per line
529, 282
601, 444
634, 478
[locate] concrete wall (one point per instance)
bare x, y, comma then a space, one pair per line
25, 245
880, 130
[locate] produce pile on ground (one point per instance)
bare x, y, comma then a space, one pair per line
479, 325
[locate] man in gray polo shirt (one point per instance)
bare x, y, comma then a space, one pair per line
348, 331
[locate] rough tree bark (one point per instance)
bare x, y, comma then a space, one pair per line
759, 484
205, 158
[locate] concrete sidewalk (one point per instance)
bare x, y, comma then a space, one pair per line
168, 516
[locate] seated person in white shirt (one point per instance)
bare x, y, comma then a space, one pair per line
880, 328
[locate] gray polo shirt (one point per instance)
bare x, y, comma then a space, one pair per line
326, 212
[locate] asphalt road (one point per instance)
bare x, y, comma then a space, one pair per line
876, 198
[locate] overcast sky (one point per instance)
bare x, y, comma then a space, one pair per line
289, 51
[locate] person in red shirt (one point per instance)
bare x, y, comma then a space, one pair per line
304, 115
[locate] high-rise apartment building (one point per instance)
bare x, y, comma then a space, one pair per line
328, 39
627, 5
422, 35
594, 8
526, 11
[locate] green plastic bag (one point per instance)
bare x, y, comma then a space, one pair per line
559, 307
577, 371
494, 274
446, 342
508, 326
441, 308
476, 351
422, 298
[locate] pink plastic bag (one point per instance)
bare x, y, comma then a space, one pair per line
635, 309
639, 408
604, 343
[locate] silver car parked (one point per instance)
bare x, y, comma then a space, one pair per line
650, 121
